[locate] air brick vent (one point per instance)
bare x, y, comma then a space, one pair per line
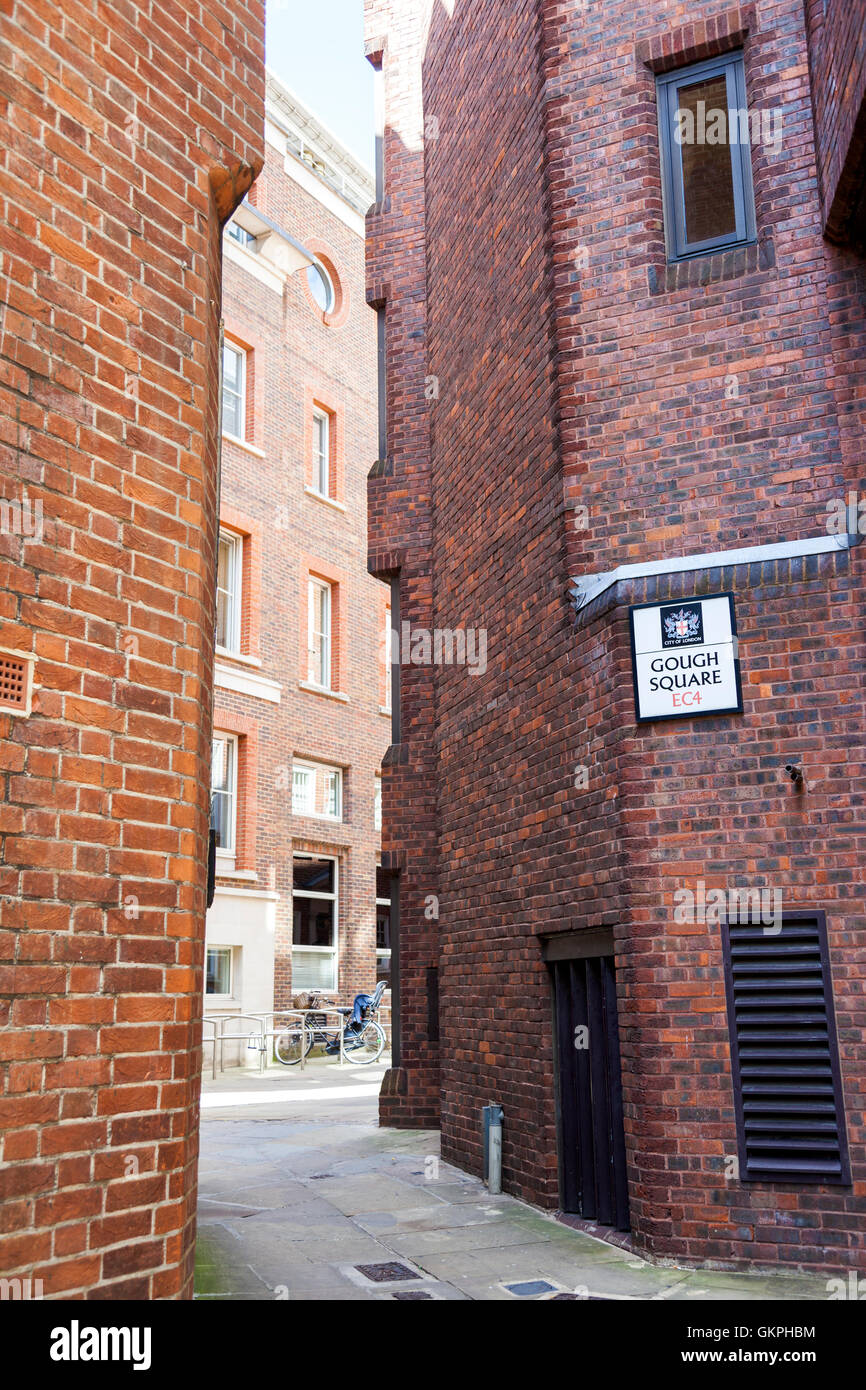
787, 1085
16, 683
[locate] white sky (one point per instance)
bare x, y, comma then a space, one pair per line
316, 48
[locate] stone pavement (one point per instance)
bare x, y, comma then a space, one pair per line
298, 1187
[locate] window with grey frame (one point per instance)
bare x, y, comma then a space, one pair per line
705, 145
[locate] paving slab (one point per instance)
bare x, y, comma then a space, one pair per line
298, 1185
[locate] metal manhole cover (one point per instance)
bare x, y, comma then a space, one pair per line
389, 1273
531, 1288
411, 1295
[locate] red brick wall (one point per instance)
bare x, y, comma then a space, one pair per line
684, 411
837, 59
301, 357
400, 531
127, 139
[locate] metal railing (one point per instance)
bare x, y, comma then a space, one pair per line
220, 1037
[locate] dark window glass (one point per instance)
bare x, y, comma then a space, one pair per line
708, 178
705, 131
313, 922
383, 927
314, 875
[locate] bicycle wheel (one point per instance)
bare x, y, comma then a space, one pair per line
364, 1047
287, 1046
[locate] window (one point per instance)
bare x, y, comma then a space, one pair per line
787, 1085
321, 287
241, 236
303, 790
321, 453
224, 792
383, 925
234, 390
228, 629
317, 791
706, 157
319, 633
314, 923
377, 803
218, 970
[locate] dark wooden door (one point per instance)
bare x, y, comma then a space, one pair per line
592, 1144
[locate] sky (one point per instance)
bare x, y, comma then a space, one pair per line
317, 50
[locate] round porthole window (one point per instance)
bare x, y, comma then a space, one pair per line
320, 285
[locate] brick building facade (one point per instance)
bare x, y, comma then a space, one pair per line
624, 369
300, 718
129, 137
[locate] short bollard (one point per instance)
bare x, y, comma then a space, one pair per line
492, 1119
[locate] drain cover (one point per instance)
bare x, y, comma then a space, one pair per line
411, 1295
531, 1288
390, 1273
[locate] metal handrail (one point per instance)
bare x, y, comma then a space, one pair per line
232, 1037
219, 1021
213, 1024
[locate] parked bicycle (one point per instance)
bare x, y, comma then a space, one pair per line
362, 1035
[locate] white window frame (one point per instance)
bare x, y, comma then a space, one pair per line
229, 950
316, 586
377, 802
383, 952
241, 395
314, 770
241, 236
329, 286
232, 644
226, 855
308, 773
333, 951
321, 456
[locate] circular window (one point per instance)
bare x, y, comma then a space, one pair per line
320, 285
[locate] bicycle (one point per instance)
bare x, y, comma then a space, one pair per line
363, 1037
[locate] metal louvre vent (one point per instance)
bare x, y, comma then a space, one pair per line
16, 671
787, 1085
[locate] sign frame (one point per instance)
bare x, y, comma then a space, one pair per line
690, 713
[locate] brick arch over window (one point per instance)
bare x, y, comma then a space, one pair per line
325, 253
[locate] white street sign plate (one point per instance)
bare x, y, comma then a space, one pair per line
684, 658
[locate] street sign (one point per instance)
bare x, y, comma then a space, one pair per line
684, 658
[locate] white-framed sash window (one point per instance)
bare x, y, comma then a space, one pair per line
224, 782
317, 790
319, 633
315, 915
234, 390
229, 571
321, 452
